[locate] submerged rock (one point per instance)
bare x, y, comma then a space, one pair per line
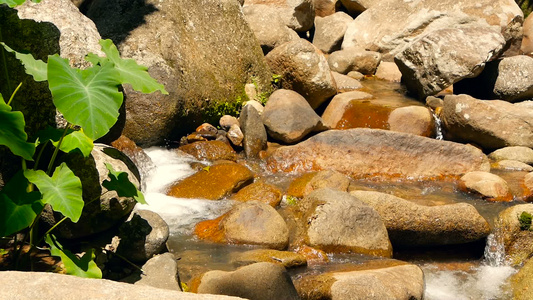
338, 106
286, 258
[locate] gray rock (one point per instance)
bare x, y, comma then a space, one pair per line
354, 59
288, 117
304, 69
161, 271
527, 38
296, 14
51, 286
142, 236
412, 119
519, 153
203, 63
393, 154
255, 136
257, 281
337, 107
411, 225
336, 221
489, 186
346, 83
329, 31
470, 120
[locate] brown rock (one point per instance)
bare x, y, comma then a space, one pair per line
259, 191
339, 104
286, 258
354, 59
412, 119
329, 31
518, 153
346, 83
518, 243
527, 38
327, 179
255, 135
388, 71
489, 186
235, 135
296, 14
324, 8
210, 150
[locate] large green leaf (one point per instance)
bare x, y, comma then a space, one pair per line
81, 267
130, 71
32, 66
62, 191
18, 208
12, 132
13, 3
72, 140
89, 98
120, 183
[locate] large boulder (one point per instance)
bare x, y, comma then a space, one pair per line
304, 69
203, 52
296, 14
354, 59
466, 119
517, 240
527, 38
329, 31
362, 152
412, 225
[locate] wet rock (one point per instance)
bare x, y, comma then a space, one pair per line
268, 26
257, 281
261, 192
434, 61
324, 8
393, 154
252, 223
467, 119
329, 31
527, 38
255, 136
288, 117
512, 165
213, 45
434, 102
338, 222
384, 279
210, 150
521, 282
416, 120
235, 135
489, 186
518, 153
161, 272
136, 154
345, 83
327, 179
227, 121
413, 225
42, 285
356, 75
285, 258
338, 105
212, 183
298, 15
354, 59
388, 71
518, 243
304, 69
528, 185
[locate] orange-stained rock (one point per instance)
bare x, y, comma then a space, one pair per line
312, 255
213, 183
210, 150
134, 152
259, 191
297, 186
211, 230
489, 186
288, 259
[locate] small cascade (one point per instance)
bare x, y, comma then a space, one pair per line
494, 251
439, 135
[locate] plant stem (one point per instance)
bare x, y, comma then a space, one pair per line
14, 92
4, 61
56, 150
37, 160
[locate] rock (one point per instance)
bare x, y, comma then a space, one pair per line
141, 237
255, 136
357, 6
393, 154
388, 71
518, 153
298, 15
416, 120
212, 183
304, 69
413, 225
436, 60
329, 31
110, 209
227, 121
467, 119
345, 83
324, 8
137, 155
489, 186
356, 75
268, 26
257, 281
518, 243
288, 117
527, 38
261, 192
52, 286
354, 59
252, 223
235, 135
286, 258
210, 150
338, 105
256, 104
521, 282
211, 55
528, 186
161, 272
384, 279
327, 179
434, 102
512, 165
338, 222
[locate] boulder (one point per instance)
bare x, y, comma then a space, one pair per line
357, 6
327, 179
412, 119
324, 8
527, 37
137, 155
296, 14
466, 119
304, 69
338, 106
288, 117
285, 258
210, 150
511, 165
329, 31
392, 154
413, 225
388, 71
257, 281
161, 271
213, 183
354, 59
518, 243
204, 63
255, 135
345, 83
490, 186
518, 153
521, 282
259, 191
335, 221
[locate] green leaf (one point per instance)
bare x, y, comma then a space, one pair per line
72, 140
82, 267
130, 71
89, 98
12, 3
12, 132
32, 66
18, 208
122, 185
62, 191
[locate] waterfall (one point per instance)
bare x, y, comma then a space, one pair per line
438, 127
494, 251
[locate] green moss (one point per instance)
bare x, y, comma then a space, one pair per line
526, 6
525, 220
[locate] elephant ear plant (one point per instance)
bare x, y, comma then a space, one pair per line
89, 100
